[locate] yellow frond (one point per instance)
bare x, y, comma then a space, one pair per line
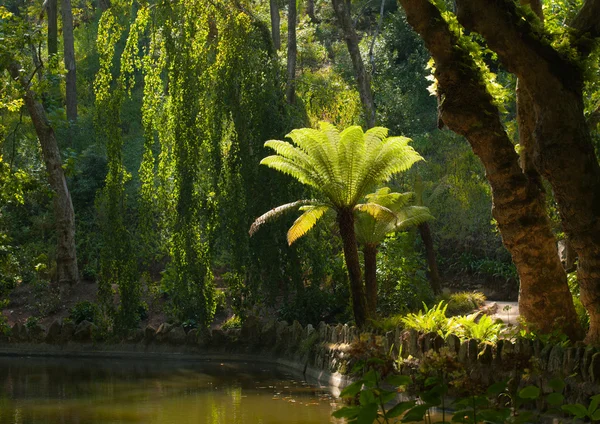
305, 222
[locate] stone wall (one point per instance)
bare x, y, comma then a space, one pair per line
323, 350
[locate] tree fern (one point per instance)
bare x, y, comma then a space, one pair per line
343, 167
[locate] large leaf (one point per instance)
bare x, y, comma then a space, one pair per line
305, 222
276, 213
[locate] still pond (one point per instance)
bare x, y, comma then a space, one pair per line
100, 391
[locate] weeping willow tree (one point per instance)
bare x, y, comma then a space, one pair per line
118, 261
208, 107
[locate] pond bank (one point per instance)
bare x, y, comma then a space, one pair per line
322, 352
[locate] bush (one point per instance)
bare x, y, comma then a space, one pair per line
84, 311
233, 322
429, 320
403, 284
463, 303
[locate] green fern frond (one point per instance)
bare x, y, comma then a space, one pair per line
412, 216
305, 222
277, 212
287, 166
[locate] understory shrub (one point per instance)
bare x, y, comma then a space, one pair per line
462, 303
403, 285
84, 311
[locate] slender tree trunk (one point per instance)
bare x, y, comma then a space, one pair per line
66, 257
310, 11
275, 21
290, 90
104, 5
342, 13
52, 8
370, 255
434, 274
518, 204
563, 153
69, 58
345, 220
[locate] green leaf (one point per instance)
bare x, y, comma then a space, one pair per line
557, 384
416, 413
370, 378
577, 410
596, 415
496, 388
593, 405
555, 399
366, 397
367, 414
529, 392
352, 389
387, 396
495, 416
398, 380
346, 412
399, 409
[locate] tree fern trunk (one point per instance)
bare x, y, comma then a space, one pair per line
434, 274
370, 254
345, 220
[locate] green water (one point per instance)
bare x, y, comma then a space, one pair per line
98, 391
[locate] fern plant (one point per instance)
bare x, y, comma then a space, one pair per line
342, 167
485, 329
371, 231
428, 320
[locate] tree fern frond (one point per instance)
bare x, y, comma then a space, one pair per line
320, 148
352, 153
287, 166
413, 216
378, 212
305, 222
276, 213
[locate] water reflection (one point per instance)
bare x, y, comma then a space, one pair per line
92, 391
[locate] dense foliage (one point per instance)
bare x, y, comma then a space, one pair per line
176, 102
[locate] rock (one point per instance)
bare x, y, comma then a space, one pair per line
54, 331
68, 330
149, 334
163, 330
203, 337
485, 357
83, 331
135, 336
218, 339
453, 343
191, 338
268, 334
250, 332
177, 336
19, 333
594, 368
555, 360
309, 330
588, 354
322, 329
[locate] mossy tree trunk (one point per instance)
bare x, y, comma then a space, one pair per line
67, 272
518, 203
563, 152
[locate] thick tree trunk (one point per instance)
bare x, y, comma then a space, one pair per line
563, 153
66, 257
342, 13
345, 220
292, 49
434, 274
518, 205
52, 8
275, 21
370, 255
69, 58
